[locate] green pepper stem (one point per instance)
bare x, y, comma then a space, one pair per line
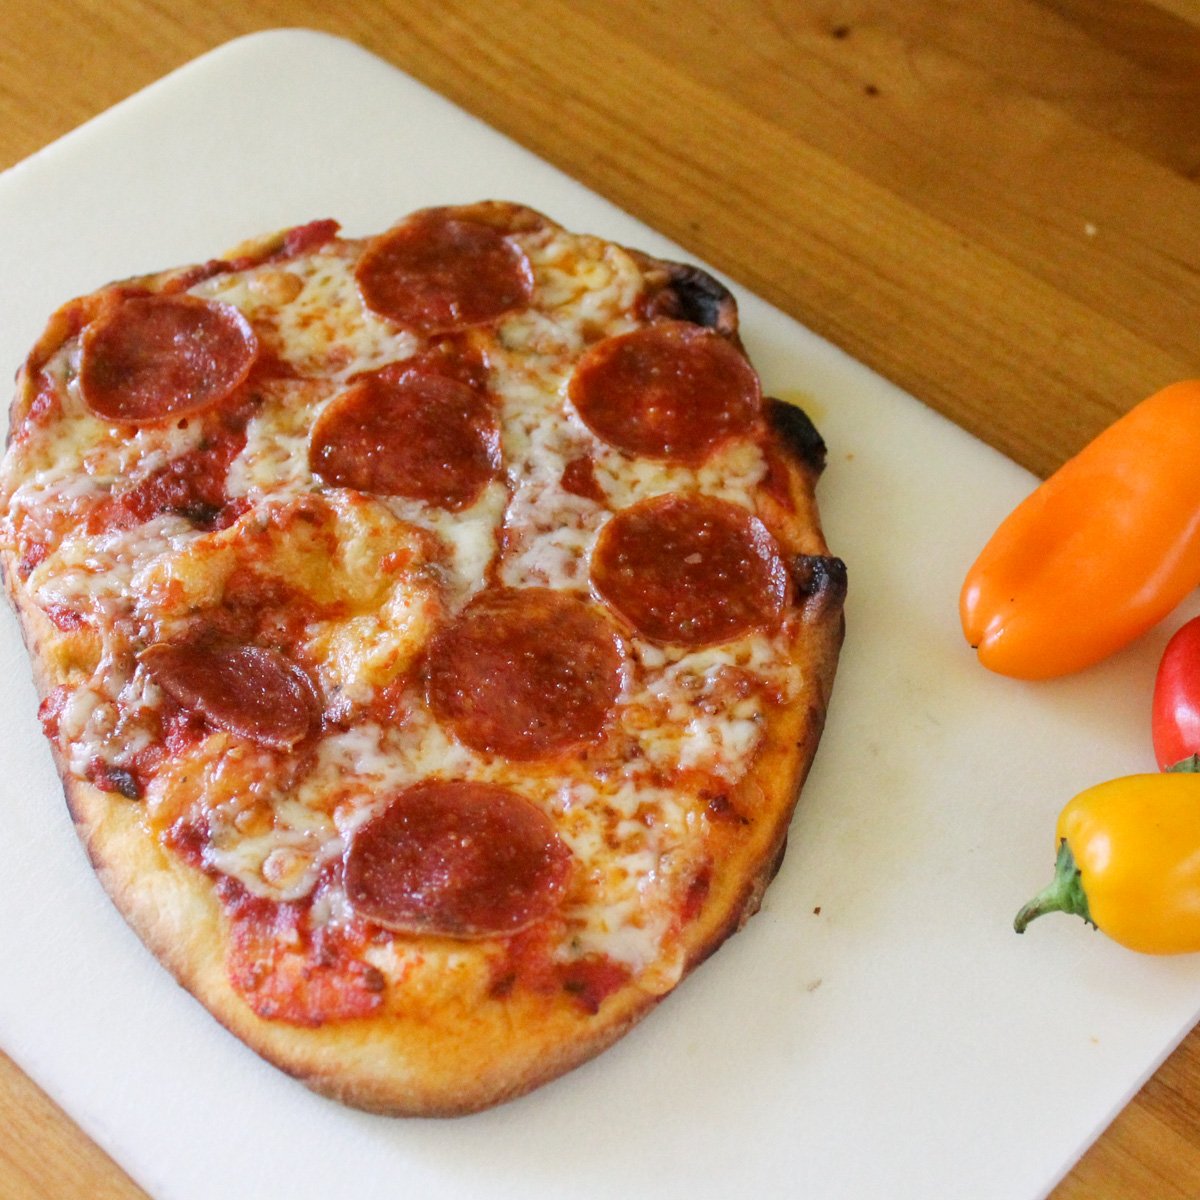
1187, 766
1064, 893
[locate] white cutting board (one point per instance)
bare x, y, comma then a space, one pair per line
900, 1042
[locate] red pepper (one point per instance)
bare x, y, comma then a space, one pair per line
1175, 716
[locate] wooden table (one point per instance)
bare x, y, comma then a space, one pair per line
994, 203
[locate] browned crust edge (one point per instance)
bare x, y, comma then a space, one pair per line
391, 1065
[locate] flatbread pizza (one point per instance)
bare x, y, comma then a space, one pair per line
433, 631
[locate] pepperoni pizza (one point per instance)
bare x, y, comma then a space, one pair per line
433, 632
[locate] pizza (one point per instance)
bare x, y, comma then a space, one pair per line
432, 630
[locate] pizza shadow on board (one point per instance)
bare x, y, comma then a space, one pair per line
433, 632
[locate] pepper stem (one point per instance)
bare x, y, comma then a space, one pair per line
1064, 893
1187, 766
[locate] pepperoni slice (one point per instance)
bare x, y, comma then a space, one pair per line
671, 390
457, 859
690, 570
248, 690
525, 672
154, 357
434, 273
403, 431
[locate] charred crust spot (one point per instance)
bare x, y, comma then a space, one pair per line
794, 428
125, 783
719, 808
777, 862
697, 893
694, 295
819, 581
200, 514
372, 978
503, 986
108, 778
755, 898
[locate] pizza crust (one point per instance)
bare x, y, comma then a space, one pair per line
391, 1065
461, 1056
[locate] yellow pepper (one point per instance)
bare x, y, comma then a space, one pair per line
1129, 863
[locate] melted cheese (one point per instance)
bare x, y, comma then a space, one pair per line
366, 577
311, 316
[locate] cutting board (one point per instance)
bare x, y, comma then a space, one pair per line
877, 1031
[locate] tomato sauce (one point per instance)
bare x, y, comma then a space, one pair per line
191, 485
188, 838
33, 554
777, 482
526, 963
50, 710
64, 618
579, 478
288, 971
43, 408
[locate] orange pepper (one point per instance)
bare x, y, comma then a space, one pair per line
1100, 552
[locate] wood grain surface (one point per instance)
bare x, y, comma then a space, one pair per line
994, 203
